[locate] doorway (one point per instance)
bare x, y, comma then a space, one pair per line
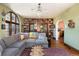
59, 29
60, 33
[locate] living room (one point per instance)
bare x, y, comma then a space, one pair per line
39, 29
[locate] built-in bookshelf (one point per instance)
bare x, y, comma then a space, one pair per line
25, 25
38, 25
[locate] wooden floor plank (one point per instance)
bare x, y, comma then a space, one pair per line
60, 44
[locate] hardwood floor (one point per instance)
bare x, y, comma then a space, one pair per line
52, 43
60, 44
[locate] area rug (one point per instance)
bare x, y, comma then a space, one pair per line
26, 52
48, 52
56, 52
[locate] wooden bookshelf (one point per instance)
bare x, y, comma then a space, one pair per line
43, 24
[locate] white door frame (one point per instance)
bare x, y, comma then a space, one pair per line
57, 35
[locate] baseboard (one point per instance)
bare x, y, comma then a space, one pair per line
71, 47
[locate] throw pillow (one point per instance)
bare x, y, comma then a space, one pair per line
42, 34
22, 37
26, 35
41, 37
33, 35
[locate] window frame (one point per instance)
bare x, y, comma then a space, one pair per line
11, 22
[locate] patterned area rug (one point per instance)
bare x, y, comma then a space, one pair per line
26, 52
48, 52
56, 52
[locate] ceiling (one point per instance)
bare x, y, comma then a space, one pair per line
48, 10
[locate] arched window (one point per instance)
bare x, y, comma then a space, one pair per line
12, 23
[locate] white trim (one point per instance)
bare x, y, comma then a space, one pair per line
19, 23
57, 29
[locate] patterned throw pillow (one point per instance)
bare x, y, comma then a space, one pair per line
33, 35
42, 35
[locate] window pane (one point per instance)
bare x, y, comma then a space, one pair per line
7, 28
17, 28
13, 17
13, 29
7, 17
17, 21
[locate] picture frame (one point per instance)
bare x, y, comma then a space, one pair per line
71, 24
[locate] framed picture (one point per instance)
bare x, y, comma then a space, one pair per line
3, 23
71, 24
2, 26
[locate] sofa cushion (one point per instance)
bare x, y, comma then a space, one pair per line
26, 35
16, 37
10, 52
9, 40
42, 34
1, 50
30, 40
18, 44
42, 37
2, 44
41, 41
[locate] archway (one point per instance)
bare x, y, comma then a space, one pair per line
12, 23
60, 33
59, 29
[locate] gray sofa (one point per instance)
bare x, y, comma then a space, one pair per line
13, 46
41, 40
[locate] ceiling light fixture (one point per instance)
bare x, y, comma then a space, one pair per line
39, 6
39, 10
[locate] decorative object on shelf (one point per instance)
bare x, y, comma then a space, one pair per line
35, 26
52, 26
71, 24
3, 20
